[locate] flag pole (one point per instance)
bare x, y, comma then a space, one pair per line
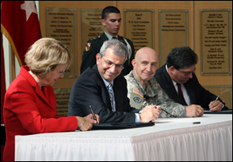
12, 64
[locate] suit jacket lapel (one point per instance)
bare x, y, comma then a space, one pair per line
44, 96
169, 83
170, 87
103, 38
33, 83
117, 94
190, 93
105, 91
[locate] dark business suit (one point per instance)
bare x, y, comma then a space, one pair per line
89, 89
198, 95
89, 59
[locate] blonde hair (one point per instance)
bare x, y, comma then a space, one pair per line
45, 54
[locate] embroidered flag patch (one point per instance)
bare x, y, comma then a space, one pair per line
136, 91
88, 46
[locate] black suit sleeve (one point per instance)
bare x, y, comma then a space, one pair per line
204, 97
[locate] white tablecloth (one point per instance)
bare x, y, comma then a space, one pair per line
169, 139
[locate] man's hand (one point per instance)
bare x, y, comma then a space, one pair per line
150, 113
194, 111
215, 105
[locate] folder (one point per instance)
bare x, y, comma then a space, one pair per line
110, 126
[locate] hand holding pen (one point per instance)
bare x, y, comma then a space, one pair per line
86, 123
216, 105
93, 114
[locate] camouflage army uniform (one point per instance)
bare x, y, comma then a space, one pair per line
152, 94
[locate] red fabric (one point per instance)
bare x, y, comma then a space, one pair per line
27, 110
22, 29
20, 25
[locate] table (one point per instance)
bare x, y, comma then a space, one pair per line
169, 139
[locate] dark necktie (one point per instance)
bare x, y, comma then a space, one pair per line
180, 92
114, 37
110, 92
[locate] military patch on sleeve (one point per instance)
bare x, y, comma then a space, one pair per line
88, 46
137, 99
136, 91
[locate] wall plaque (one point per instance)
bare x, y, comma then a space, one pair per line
224, 92
62, 99
215, 41
91, 25
173, 31
61, 25
139, 27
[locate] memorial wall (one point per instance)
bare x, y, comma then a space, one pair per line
204, 26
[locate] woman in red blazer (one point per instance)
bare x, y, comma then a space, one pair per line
30, 102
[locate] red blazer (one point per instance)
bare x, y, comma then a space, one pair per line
27, 110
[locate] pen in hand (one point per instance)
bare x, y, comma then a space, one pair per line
93, 113
215, 100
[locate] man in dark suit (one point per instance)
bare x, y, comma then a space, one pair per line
179, 68
111, 20
92, 86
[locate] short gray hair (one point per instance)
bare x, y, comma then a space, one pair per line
118, 48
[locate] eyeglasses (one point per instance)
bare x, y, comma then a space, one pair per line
110, 64
187, 73
61, 73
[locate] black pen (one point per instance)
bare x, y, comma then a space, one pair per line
196, 123
93, 113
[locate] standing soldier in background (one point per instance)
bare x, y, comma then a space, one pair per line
111, 20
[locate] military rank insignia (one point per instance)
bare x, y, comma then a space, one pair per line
88, 46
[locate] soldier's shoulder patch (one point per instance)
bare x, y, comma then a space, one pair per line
136, 91
137, 99
88, 46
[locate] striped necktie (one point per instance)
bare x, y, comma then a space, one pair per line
110, 92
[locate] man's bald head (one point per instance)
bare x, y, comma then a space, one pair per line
145, 64
144, 50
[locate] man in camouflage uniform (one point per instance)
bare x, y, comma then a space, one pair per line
111, 20
144, 90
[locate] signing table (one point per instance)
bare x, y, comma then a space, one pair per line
169, 139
